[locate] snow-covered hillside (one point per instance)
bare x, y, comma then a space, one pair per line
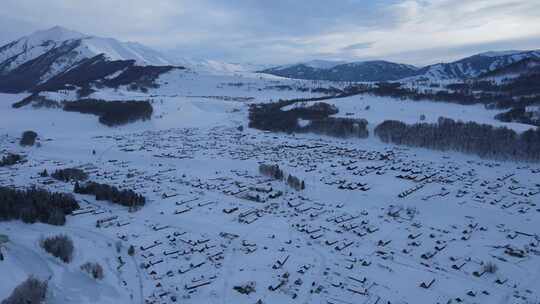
340, 71
36, 44
32, 62
27, 48
476, 65
462, 69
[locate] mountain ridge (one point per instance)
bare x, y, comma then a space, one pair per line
377, 70
35, 61
465, 68
56, 58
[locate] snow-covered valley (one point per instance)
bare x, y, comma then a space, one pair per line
376, 223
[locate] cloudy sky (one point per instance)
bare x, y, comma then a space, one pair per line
283, 31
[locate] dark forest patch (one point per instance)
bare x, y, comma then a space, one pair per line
272, 117
104, 192
448, 135
36, 205
112, 113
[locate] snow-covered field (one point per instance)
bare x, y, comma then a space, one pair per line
374, 224
378, 109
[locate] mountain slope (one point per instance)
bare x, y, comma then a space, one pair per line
35, 61
356, 71
470, 67
523, 67
116, 50
476, 65
30, 47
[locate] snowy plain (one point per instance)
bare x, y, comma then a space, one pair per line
375, 222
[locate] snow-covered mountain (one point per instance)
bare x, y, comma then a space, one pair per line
469, 67
38, 58
323, 64
40, 42
215, 67
59, 58
211, 66
30, 47
476, 65
527, 66
315, 64
338, 71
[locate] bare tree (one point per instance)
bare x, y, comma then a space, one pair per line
94, 269
60, 246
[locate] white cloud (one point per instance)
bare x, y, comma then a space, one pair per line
441, 24
416, 31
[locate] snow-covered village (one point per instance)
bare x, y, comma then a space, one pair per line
128, 175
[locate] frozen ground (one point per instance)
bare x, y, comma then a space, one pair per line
374, 223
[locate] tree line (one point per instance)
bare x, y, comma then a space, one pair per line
483, 140
517, 93
521, 115
272, 117
10, 159
112, 113
104, 192
69, 174
275, 172
36, 205
448, 135
339, 127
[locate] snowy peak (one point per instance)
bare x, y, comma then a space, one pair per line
116, 50
32, 46
56, 34
46, 56
38, 43
527, 66
475, 66
41, 42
